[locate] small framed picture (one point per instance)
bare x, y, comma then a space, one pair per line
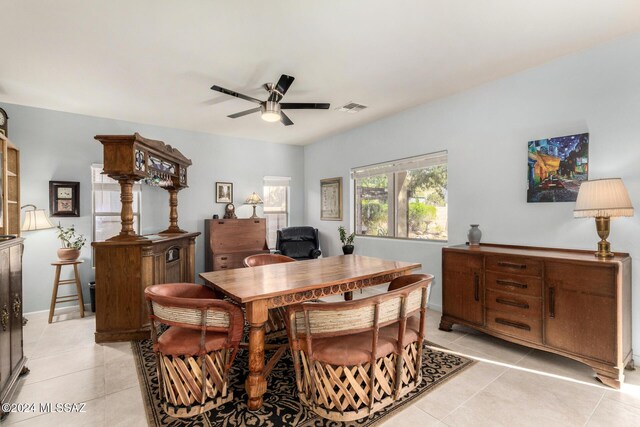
331, 199
64, 198
224, 192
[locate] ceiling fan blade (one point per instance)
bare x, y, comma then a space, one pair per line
281, 87
285, 119
244, 113
304, 105
236, 94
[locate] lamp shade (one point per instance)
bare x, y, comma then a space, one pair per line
603, 198
35, 219
253, 199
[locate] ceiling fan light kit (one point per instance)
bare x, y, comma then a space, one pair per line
271, 109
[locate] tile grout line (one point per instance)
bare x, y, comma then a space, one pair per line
595, 408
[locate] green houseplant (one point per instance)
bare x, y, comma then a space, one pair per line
71, 243
347, 240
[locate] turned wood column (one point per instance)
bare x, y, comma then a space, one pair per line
126, 214
256, 384
173, 212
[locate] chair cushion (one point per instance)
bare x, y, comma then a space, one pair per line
178, 341
297, 249
350, 350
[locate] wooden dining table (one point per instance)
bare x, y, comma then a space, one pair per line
277, 285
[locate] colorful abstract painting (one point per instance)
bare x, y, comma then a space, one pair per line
557, 166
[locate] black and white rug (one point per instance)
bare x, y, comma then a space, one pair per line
281, 404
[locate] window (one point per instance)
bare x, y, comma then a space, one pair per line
276, 206
106, 205
404, 198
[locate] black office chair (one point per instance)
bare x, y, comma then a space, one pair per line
299, 242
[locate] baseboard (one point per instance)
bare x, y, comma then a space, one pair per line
61, 310
436, 307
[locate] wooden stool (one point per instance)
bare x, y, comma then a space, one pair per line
55, 299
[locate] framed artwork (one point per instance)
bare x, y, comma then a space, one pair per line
224, 192
331, 199
64, 198
556, 167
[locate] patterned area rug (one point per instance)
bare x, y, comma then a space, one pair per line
281, 404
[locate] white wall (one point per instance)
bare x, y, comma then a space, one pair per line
60, 146
486, 131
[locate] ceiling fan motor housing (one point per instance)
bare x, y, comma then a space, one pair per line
270, 111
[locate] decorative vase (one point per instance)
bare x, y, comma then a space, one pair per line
68, 254
474, 235
348, 249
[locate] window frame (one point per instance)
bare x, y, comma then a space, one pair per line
286, 211
391, 184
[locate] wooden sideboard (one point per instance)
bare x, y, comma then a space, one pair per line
12, 360
125, 268
562, 301
229, 241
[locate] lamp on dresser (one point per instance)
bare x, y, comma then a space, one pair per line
254, 200
602, 199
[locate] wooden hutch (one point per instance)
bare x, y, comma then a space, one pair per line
127, 263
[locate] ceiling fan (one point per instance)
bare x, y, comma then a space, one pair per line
271, 109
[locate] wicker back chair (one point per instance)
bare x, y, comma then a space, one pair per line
354, 358
195, 353
276, 325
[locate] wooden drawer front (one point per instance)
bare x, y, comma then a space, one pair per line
593, 280
228, 261
523, 285
511, 264
512, 324
514, 303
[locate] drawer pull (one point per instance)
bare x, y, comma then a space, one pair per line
476, 286
511, 283
512, 303
552, 302
512, 265
223, 266
513, 324
223, 258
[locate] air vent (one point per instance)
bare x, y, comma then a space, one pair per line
351, 107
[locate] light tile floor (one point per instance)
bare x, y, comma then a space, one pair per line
510, 385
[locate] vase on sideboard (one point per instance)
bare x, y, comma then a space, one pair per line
474, 235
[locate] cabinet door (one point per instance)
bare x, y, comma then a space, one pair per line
5, 312
463, 287
15, 294
580, 309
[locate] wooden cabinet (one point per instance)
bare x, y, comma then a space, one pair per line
9, 188
229, 241
12, 360
125, 268
563, 301
463, 274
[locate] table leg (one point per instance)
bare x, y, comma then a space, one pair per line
256, 384
79, 289
54, 295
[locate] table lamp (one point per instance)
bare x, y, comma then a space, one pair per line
253, 200
35, 219
602, 199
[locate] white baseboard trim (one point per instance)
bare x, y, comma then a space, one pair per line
61, 310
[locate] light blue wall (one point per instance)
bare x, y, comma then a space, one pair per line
486, 131
60, 146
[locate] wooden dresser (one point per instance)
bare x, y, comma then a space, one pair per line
563, 301
229, 241
12, 360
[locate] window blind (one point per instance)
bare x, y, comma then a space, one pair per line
400, 165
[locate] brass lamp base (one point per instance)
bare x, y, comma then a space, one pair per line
254, 216
603, 228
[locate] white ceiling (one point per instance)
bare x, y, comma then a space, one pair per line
153, 61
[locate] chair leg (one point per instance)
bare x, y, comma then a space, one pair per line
54, 295
79, 289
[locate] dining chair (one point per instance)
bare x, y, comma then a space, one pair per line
275, 326
195, 339
354, 358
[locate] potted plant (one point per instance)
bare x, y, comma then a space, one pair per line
347, 241
71, 243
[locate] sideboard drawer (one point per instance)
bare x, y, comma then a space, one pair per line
512, 264
228, 261
514, 303
523, 327
524, 285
